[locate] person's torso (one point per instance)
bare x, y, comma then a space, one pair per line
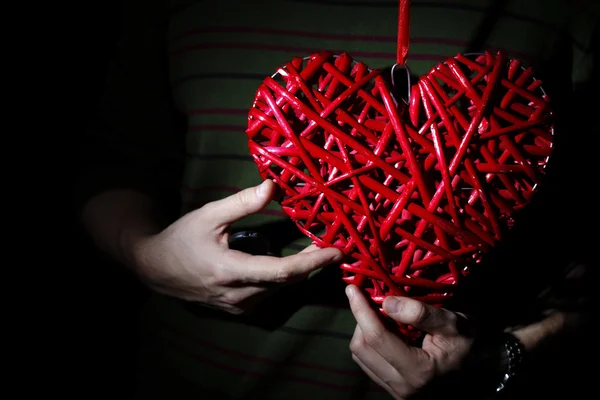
219, 53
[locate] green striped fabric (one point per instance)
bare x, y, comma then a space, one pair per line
218, 53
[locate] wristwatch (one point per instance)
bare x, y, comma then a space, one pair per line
513, 359
494, 361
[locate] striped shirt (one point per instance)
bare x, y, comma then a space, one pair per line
205, 60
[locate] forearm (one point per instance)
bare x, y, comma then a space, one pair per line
557, 325
116, 219
568, 312
558, 333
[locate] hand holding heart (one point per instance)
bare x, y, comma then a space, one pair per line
405, 371
191, 259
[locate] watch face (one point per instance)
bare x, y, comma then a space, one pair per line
249, 242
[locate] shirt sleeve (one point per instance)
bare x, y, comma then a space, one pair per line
134, 139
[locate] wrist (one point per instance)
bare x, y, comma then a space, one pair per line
118, 221
134, 245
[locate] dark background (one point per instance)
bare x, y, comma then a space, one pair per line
88, 317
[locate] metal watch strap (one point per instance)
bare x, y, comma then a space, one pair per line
514, 358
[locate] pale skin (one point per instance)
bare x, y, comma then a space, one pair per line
190, 260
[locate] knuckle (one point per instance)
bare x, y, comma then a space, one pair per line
231, 298
374, 338
452, 322
416, 313
222, 276
242, 199
451, 317
422, 378
356, 345
208, 208
283, 274
441, 354
311, 263
219, 278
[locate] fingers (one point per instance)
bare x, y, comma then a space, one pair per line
375, 378
425, 317
375, 366
388, 345
239, 205
266, 269
310, 249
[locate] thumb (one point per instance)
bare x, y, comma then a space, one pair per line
430, 319
245, 202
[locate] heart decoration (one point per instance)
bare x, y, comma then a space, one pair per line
414, 193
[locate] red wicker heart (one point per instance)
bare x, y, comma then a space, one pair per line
415, 194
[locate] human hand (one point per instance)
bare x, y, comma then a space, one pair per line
402, 370
191, 259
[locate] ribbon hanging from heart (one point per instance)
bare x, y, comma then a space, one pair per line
414, 192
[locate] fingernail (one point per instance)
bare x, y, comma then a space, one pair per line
349, 292
261, 190
391, 305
